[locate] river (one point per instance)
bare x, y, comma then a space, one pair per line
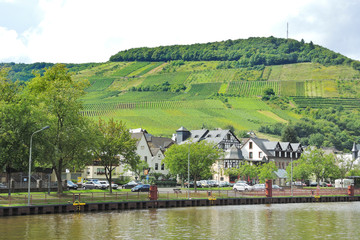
276, 221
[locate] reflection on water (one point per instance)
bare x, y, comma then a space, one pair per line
277, 221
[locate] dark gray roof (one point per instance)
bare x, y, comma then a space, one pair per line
182, 129
285, 145
233, 153
281, 173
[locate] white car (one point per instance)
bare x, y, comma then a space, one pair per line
106, 184
242, 187
259, 187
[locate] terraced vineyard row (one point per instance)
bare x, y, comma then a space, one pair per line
123, 72
318, 102
252, 88
102, 109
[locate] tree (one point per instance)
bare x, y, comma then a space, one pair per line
16, 125
114, 147
202, 155
289, 134
320, 165
267, 171
68, 142
268, 92
300, 171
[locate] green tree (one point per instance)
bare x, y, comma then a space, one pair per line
202, 155
320, 165
69, 140
300, 171
16, 125
289, 134
267, 171
114, 147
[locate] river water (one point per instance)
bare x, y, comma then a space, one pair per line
276, 221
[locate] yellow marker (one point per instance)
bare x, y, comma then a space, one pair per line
77, 203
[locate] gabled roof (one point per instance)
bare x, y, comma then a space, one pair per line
297, 147
159, 142
233, 153
137, 136
216, 136
198, 135
285, 146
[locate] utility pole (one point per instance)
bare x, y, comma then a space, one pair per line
287, 30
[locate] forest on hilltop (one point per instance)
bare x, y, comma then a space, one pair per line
249, 52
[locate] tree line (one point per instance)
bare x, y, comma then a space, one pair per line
332, 127
255, 51
72, 141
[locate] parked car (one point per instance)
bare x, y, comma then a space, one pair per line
141, 188
241, 181
71, 185
259, 187
2, 186
242, 187
224, 184
276, 187
106, 184
203, 183
130, 185
213, 183
93, 185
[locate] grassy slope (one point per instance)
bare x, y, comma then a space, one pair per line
161, 113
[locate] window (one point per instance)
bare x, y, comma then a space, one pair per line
226, 165
250, 145
100, 171
156, 166
250, 155
260, 154
228, 137
162, 166
145, 158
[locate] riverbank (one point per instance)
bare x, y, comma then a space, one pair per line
136, 205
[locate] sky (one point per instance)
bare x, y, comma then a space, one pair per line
81, 31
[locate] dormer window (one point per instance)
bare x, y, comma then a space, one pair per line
209, 135
196, 136
218, 135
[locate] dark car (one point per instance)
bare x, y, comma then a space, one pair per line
72, 185
130, 185
141, 188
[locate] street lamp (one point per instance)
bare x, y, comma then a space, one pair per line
30, 161
189, 173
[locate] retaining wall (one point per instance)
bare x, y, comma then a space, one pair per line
133, 205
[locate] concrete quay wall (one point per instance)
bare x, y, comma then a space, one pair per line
134, 205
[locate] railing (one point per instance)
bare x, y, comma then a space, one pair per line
117, 196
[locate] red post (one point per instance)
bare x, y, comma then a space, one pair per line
351, 190
268, 188
153, 192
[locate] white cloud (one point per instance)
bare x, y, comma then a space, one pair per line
11, 48
90, 30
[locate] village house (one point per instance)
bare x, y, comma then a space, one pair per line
253, 150
149, 148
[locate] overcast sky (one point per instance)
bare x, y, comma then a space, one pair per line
78, 31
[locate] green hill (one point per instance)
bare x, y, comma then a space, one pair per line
214, 84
